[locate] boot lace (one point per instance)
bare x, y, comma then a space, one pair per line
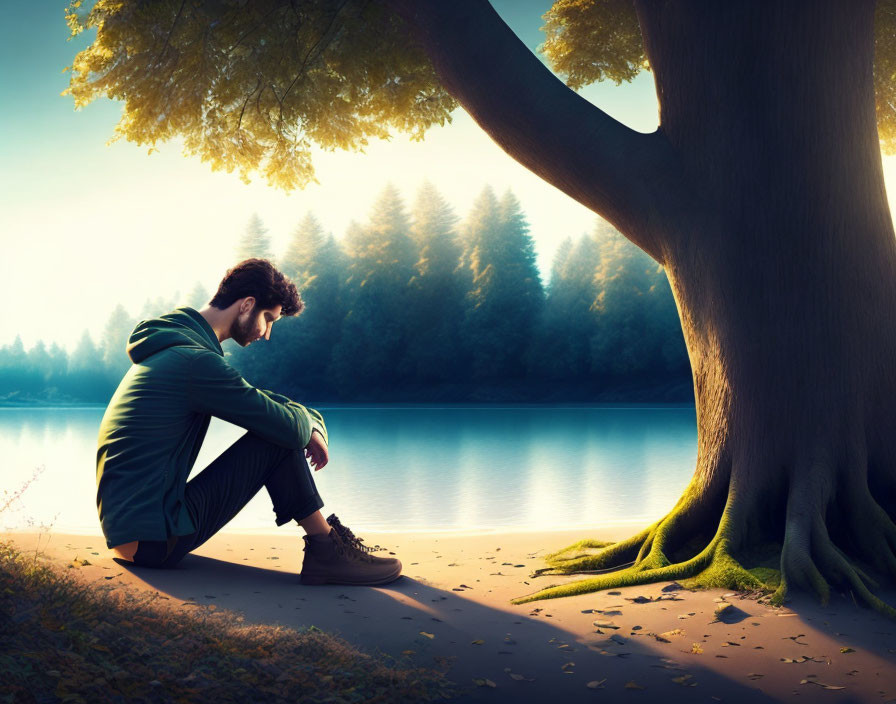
347, 539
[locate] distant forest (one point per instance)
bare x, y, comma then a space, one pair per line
421, 307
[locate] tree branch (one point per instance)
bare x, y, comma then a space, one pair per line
625, 176
171, 32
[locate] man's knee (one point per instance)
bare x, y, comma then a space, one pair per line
256, 443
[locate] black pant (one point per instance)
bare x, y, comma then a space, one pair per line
221, 490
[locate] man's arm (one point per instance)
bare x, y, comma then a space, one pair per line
217, 388
317, 420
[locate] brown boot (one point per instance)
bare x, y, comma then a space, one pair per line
330, 560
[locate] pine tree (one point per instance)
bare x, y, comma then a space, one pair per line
154, 307
114, 342
87, 379
297, 356
381, 260
39, 362
506, 296
14, 376
569, 322
436, 305
255, 241
59, 368
199, 297
305, 244
636, 334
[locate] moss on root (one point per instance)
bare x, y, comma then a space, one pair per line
713, 567
758, 570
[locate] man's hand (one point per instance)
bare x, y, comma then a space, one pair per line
316, 451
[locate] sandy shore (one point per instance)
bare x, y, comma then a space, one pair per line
452, 606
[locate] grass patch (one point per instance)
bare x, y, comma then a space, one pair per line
65, 639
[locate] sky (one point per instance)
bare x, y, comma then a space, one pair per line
86, 225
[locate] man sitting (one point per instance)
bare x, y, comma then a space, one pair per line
156, 421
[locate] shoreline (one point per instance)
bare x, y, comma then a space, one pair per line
615, 531
452, 606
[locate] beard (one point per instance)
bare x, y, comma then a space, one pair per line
242, 333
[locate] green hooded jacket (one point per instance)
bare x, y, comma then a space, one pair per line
157, 418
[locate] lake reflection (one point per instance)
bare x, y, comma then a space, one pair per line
403, 468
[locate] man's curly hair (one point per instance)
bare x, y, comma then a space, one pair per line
260, 279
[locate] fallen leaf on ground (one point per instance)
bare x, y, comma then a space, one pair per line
605, 624
482, 682
596, 684
801, 658
821, 684
683, 680
847, 650
673, 632
428, 635
631, 684
696, 649
794, 638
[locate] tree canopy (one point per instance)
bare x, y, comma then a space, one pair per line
254, 86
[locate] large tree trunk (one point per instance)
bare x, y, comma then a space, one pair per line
783, 266
762, 194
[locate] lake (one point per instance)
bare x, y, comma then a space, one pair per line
402, 468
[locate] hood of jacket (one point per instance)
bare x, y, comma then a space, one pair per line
183, 326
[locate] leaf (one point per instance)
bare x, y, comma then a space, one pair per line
821, 684
847, 650
605, 624
696, 649
477, 642
596, 684
673, 632
427, 635
631, 684
482, 682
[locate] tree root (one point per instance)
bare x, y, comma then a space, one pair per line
713, 566
809, 559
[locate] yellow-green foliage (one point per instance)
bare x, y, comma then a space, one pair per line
254, 85
885, 73
594, 40
63, 638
